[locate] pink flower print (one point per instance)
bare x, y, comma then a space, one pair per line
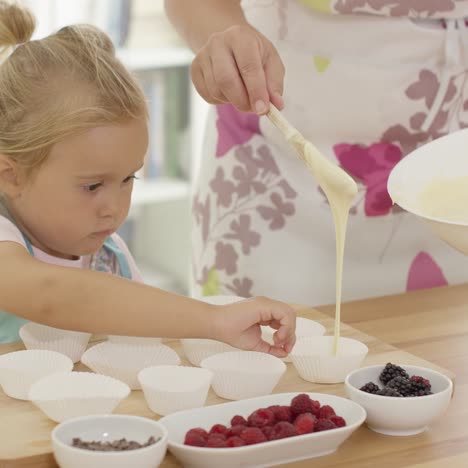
247, 183
266, 161
234, 128
372, 165
241, 231
424, 273
201, 213
241, 287
289, 192
226, 258
277, 213
223, 188
413, 8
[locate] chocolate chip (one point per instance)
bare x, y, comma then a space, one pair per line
114, 446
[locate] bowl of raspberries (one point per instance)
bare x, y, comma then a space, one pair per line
400, 400
262, 431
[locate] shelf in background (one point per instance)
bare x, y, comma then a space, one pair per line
159, 190
155, 58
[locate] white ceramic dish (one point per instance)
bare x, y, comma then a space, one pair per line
109, 428
261, 455
71, 343
396, 415
174, 388
244, 374
313, 359
124, 361
20, 369
73, 394
443, 158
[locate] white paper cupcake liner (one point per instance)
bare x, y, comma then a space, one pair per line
71, 343
244, 374
304, 327
72, 394
197, 350
134, 340
168, 389
312, 357
220, 300
20, 369
124, 361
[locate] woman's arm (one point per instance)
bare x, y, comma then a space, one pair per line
96, 302
235, 63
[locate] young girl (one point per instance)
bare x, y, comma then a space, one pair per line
73, 132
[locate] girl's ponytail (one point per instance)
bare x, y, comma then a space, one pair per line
16, 26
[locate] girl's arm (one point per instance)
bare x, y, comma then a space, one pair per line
235, 63
96, 302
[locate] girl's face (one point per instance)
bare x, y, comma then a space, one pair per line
81, 194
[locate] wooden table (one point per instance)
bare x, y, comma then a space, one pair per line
430, 324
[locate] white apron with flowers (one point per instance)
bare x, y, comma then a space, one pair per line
367, 81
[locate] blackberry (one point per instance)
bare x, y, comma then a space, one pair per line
401, 385
387, 391
370, 387
419, 389
421, 380
391, 371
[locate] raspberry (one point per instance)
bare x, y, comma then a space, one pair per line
267, 430
302, 404
370, 387
326, 412
252, 435
305, 423
324, 425
421, 380
235, 430
195, 439
391, 371
219, 429
238, 420
338, 421
282, 430
216, 441
234, 442
282, 413
261, 417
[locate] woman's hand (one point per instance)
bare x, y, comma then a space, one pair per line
240, 66
239, 325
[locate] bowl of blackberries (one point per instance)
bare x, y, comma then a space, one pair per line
400, 400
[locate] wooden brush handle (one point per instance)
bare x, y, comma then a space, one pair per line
282, 124
292, 135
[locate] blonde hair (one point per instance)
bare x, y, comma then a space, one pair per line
58, 86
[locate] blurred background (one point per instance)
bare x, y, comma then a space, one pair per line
158, 228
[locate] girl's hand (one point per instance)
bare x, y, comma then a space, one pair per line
239, 325
240, 66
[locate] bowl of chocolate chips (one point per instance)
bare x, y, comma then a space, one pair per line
399, 400
109, 441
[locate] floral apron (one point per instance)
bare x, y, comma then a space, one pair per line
367, 81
